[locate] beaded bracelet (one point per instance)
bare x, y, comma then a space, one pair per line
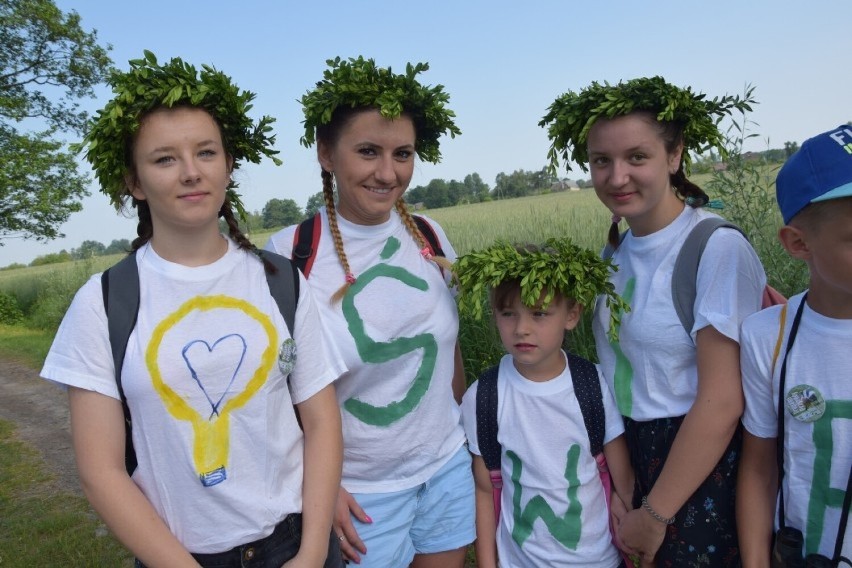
655, 514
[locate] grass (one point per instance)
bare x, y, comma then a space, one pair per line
40, 526
24, 345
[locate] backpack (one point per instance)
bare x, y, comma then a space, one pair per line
307, 236
587, 388
685, 273
120, 288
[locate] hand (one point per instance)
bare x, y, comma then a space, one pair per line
642, 533
351, 544
618, 511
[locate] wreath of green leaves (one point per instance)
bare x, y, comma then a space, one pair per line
359, 83
572, 115
149, 85
559, 266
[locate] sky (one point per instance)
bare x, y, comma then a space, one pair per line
502, 63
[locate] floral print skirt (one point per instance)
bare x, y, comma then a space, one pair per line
705, 531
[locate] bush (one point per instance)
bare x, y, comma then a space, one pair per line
747, 190
56, 294
10, 313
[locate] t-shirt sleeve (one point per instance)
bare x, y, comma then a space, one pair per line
613, 420
318, 362
468, 412
80, 355
729, 285
282, 241
759, 334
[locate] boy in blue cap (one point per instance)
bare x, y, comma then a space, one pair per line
796, 366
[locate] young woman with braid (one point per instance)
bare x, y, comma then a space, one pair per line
224, 475
407, 489
679, 389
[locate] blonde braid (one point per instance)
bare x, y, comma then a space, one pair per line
328, 196
415, 233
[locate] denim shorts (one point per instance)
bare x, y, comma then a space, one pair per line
269, 552
435, 516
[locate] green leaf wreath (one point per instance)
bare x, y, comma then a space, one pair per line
359, 83
571, 116
149, 85
559, 266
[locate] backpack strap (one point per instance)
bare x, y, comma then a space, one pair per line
283, 285
685, 273
486, 432
305, 243
587, 389
120, 288
429, 234
609, 250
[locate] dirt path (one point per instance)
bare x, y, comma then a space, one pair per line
39, 410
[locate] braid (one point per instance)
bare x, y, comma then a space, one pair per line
418, 236
145, 227
227, 213
614, 235
693, 195
328, 196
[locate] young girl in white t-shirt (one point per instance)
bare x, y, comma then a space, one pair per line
226, 471
679, 390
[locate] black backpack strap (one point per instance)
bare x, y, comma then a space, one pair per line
587, 389
120, 287
429, 234
486, 418
283, 285
305, 243
685, 273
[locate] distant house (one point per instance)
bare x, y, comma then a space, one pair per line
417, 206
564, 185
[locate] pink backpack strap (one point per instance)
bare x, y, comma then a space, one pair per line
496, 490
606, 481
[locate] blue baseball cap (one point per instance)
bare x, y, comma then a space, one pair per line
820, 170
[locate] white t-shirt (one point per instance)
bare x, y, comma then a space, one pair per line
552, 475
397, 330
818, 418
220, 454
652, 369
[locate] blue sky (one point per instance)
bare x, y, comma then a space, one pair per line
502, 62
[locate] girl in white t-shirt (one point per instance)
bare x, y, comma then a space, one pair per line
679, 390
211, 374
407, 489
553, 505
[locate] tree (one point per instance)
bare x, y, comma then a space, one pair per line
476, 188
314, 203
790, 148
47, 63
88, 249
281, 213
118, 246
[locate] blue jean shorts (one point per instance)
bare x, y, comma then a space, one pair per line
435, 516
269, 552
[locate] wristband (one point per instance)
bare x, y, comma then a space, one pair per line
655, 514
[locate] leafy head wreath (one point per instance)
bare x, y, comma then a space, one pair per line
358, 83
559, 266
571, 116
148, 86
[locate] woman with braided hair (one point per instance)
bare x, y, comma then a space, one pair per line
407, 488
678, 386
213, 469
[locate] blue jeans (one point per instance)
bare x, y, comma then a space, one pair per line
269, 552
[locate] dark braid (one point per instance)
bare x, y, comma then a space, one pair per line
227, 213
145, 227
614, 236
693, 195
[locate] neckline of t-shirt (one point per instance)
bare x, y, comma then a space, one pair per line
354, 230
535, 388
149, 258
